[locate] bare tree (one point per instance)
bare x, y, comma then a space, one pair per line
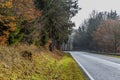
108, 35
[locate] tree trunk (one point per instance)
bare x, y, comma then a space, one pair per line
52, 46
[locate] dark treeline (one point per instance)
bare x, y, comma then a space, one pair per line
36, 21
100, 32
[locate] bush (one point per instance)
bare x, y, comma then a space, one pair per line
15, 37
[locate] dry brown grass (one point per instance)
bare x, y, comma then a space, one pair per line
28, 62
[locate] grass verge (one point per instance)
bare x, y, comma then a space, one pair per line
116, 56
24, 62
105, 53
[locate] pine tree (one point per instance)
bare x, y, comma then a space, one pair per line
57, 16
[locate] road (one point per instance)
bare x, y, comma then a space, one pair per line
98, 67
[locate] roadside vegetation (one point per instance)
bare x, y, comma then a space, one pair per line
32, 33
37, 22
116, 56
24, 62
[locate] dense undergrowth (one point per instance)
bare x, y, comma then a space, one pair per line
23, 62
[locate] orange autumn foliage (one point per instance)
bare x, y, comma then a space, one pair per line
6, 4
107, 35
2, 40
13, 10
7, 21
26, 9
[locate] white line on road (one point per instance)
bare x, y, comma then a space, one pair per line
87, 73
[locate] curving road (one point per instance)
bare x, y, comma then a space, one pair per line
98, 67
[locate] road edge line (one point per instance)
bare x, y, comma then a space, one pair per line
86, 72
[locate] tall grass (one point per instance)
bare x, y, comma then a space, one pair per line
43, 64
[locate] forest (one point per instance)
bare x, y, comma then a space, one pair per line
36, 21
35, 33
32, 33
100, 32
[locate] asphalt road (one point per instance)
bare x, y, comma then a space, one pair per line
98, 67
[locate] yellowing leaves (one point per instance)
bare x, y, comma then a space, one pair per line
13, 13
6, 33
11, 18
7, 4
26, 9
107, 35
7, 21
12, 24
3, 39
12, 28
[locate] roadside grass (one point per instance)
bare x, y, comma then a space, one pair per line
38, 64
70, 68
116, 56
106, 54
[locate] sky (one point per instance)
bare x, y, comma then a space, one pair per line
89, 5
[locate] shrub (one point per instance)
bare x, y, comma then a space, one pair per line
15, 37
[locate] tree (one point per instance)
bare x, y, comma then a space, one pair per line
84, 39
112, 15
27, 21
108, 35
25, 9
57, 16
7, 20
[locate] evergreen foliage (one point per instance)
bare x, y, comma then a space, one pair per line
15, 37
37, 21
44, 37
57, 16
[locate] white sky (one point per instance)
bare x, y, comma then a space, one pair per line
99, 5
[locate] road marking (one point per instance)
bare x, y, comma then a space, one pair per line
86, 72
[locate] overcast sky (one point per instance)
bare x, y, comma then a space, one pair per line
89, 5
